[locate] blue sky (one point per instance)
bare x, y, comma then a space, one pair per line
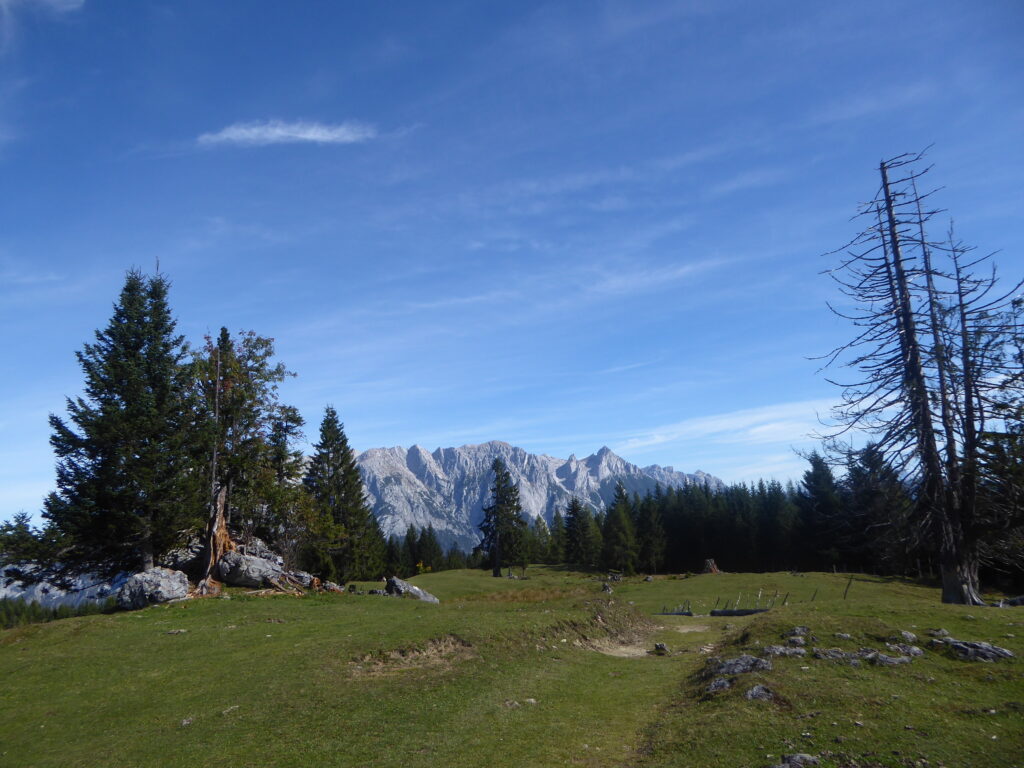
562, 225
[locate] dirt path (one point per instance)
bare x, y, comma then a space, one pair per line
644, 646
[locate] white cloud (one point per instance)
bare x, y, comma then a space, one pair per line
57, 6
855, 107
8, 9
771, 424
260, 133
753, 179
641, 280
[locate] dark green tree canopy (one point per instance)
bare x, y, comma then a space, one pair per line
582, 535
125, 491
619, 551
503, 525
353, 536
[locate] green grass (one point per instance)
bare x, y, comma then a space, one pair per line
360, 680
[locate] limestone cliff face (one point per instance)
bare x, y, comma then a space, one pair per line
449, 487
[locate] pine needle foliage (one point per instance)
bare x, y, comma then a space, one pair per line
124, 489
351, 535
503, 526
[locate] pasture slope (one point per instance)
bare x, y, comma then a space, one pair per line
546, 671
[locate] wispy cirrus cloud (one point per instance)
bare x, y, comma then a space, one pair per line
771, 424
752, 179
881, 101
9, 8
261, 133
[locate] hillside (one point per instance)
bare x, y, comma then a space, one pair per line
449, 487
538, 672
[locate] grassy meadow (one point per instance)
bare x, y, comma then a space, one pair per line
544, 671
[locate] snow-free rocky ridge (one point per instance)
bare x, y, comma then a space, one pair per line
449, 487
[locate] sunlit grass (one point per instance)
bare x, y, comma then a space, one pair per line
503, 672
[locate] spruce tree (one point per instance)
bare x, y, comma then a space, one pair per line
582, 535
430, 553
126, 488
503, 525
820, 515
877, 528
540, 536
618, 536
410, 553
356, 545
650, 534
393, 556
455, 559
556, 547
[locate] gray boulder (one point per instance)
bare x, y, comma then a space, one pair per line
719, 684
743, 664
799, 759
831, 654
759, 693
853, 658
187, 557
971, 650
399, 588
302, 578
256, 547
22, 581
884, 660
781, 650
904, 649
240, 570
157, 585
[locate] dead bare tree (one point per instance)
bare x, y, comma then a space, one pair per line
932, 354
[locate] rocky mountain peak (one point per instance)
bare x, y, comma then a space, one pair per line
449, 487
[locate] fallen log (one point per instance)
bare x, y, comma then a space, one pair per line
737, 611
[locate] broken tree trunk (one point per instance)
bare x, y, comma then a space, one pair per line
217, 542
710, 567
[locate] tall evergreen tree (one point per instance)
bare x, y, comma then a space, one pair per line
582, 535
125, 485
393, 556
618, 536
357, 546
820, 515
503, 525
877, 531
455, 559
556, 546
776, 519
289, 520
650, 535
431, 556
410, 552
540, 536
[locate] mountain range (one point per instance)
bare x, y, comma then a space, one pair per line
449, 487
